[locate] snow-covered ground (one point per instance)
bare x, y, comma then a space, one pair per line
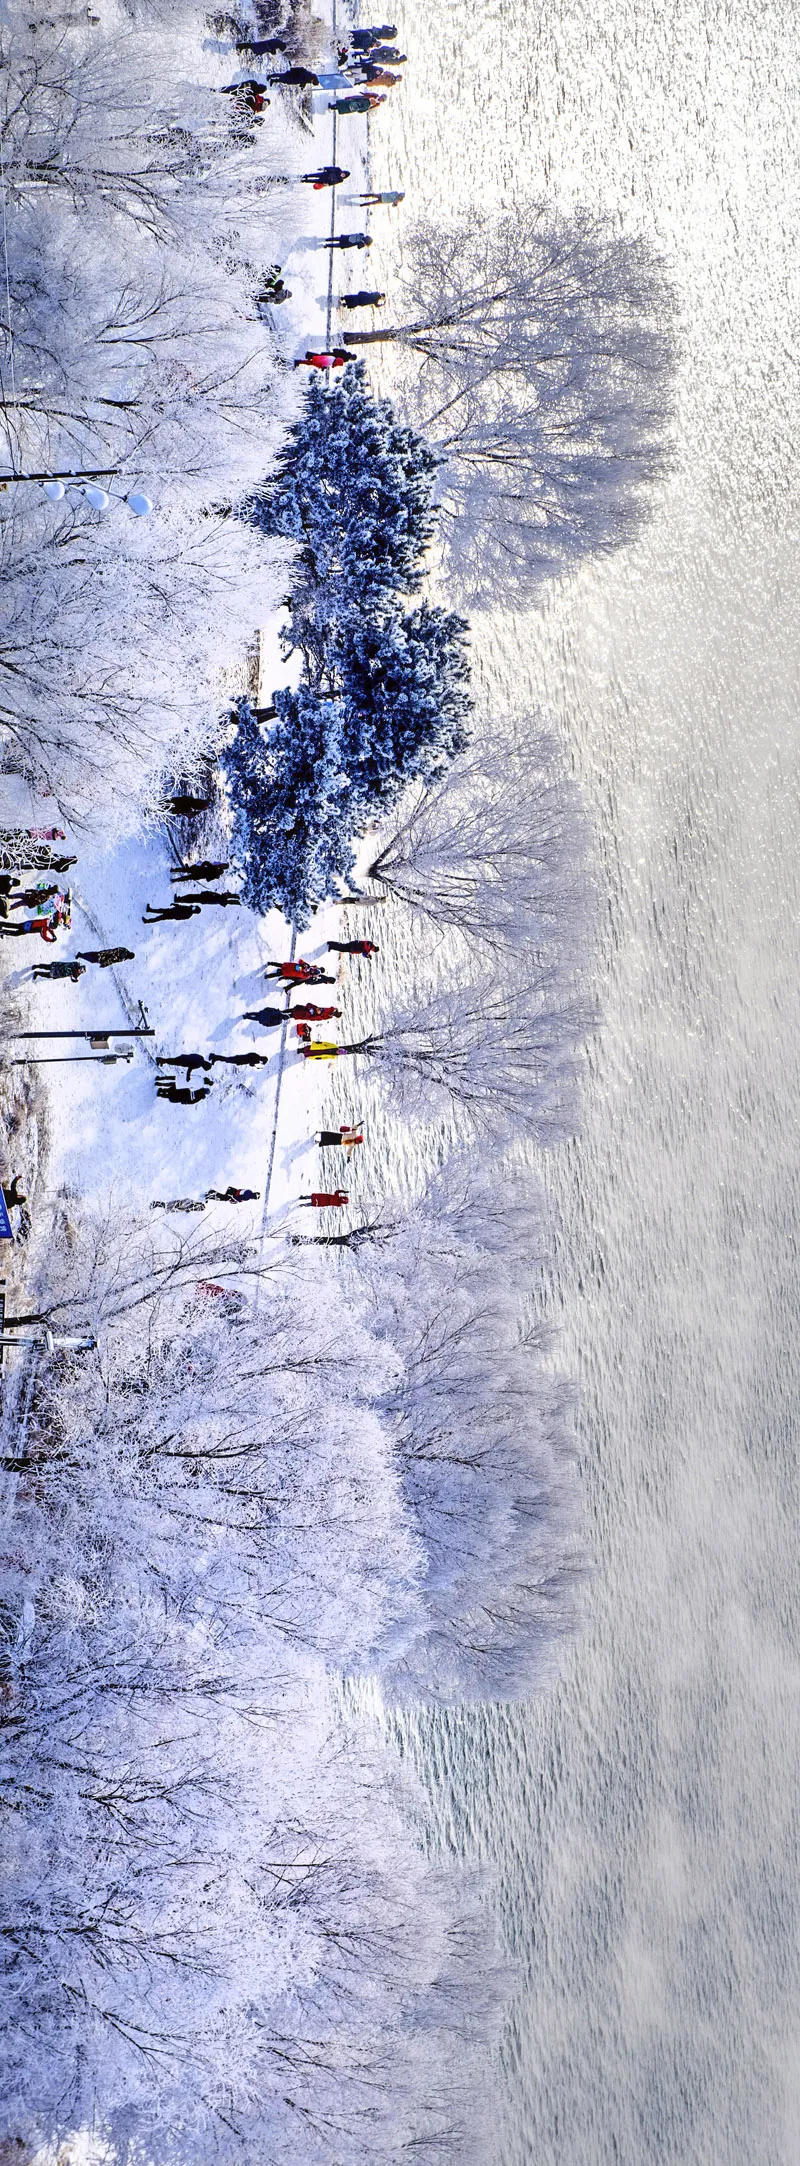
109, 1130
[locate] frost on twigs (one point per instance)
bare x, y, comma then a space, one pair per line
131, 358
220, 1937
540, 356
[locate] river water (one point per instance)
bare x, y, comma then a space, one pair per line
645, 1817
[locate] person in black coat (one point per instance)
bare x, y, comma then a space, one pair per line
242, 1060
361, 300
179, 910
269, 1018
297, 78
208, 869
202, 895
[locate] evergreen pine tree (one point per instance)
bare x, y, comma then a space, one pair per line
385, 694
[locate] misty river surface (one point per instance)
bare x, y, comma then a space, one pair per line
645, 1816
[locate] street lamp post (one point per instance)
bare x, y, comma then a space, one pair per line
56, 483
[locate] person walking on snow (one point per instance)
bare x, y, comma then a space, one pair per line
189, 1061
361, 300
185, 806
208, 869
362, 101
354, 947
179, 910
323, 1200
167, 1088
345, 1138
392, 196
226, 900
299, 973
45, 927
59, 969
326, 176
380, 76
241, 1060
306, 1011
27, 898
105, 957
336, 359
269, 1018
298, 78
369, 34
233, 1195
178, 1203
350, 240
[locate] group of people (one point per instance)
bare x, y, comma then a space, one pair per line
365, 71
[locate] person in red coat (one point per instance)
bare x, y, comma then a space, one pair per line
306, 1011
299, 973
354, 947
322, 1199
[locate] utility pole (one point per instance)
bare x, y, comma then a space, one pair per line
49, 1060
97, 1037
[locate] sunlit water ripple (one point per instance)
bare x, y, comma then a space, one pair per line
644, 1818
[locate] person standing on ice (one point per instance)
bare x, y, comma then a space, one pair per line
354, 947
326, 176
321, 1199
179, 910
105, 957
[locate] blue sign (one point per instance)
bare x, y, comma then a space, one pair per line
5, 1222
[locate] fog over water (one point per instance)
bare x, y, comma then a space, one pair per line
645, 1817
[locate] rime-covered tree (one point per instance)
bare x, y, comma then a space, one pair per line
504, 1055
353, 489
219, 1935
393, 705
294, 817
540, 356
483, 1431
128, 357
493, 848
